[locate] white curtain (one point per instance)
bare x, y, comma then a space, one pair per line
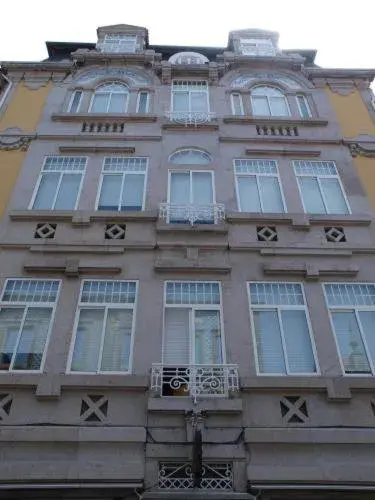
88, 339
10, 323
116, 348
268, 342
297, 342
176, 336
207, 338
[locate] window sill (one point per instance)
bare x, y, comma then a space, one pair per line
209, 126
182, 404
99, 117
287, 120
196, 228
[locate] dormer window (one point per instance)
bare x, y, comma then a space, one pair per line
116, 42
186, 58
257, 47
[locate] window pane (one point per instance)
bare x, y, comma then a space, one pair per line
268, 341
33, 339
297, 342
117, 103
180, 188
132, 195
202, 188
198, 101
303, 107
100, 103
10, 322
350, 343
142, 102
46, 191
260, 106
74, 106
271, 194
110, 192
312, 198
180, 101
367, 319
116, 349
88, 339
176, 337
207, 338
68, 192
279, 106
237, 104
333, 195
248, 194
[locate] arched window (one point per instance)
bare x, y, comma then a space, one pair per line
110, 98
269, 101
188, 58
190, 157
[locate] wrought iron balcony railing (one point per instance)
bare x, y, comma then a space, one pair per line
190, 117
197, 381
212, 213
178, 475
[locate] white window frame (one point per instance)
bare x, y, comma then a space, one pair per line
36, 189
147, 100
106, 306
279, 308
268, 101
191, 171
257, 43
201, 152
356, 309
307, 104
257, 175
192, 308
190, 88
112, 43
318, 177
109, 93
72, 100
26, 305
239, 95
127, 172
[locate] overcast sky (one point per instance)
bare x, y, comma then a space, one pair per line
343, 31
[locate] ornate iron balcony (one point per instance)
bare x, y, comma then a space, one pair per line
178, 475
212, 213
190, 117
198, 381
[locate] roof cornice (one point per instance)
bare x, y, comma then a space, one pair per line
62, 66
365, 74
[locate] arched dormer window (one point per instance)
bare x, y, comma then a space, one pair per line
188, 58
269, 101
190, 157
110, 98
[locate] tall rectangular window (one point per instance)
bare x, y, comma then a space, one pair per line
192, 323
320, 187
191, 190
142, 102
303, 106
117, 42
75, 101
237, 104
281, 329
104, 327
59, 183
26, 311
190, 97
123, 184
258, 186
352, 311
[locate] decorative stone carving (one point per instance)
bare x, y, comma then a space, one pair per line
135, 77
14, 138
294, 409
358, 149
244, 80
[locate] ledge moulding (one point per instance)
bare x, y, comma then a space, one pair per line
298, 153
71, 267
309, 271
123, 150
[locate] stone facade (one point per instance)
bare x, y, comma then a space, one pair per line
116, 434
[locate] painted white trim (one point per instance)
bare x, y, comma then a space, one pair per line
103, 306
239, 95
268, 100
190, 172
96, 92
298, 96
189, 91
72, 99
147, 101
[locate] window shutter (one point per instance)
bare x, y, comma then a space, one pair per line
176, 337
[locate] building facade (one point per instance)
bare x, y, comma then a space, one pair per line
186, 273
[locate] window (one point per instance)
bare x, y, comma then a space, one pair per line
123, 184
191, 188
320, 187
104, 327
190, 157
192, 324
190, 97
188, 58
258, 186
303, 106
110, 98
26, 311
75, 101
352, 311
59, 183
257, 47
281, 328
237, 105
142, 102
269, 101
119, 43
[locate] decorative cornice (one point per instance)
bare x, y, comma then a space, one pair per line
361, 149
14, 139
338, 73
275, 139
146, 57
299, 153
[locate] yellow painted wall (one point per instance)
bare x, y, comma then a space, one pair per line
355, 119
23, 111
